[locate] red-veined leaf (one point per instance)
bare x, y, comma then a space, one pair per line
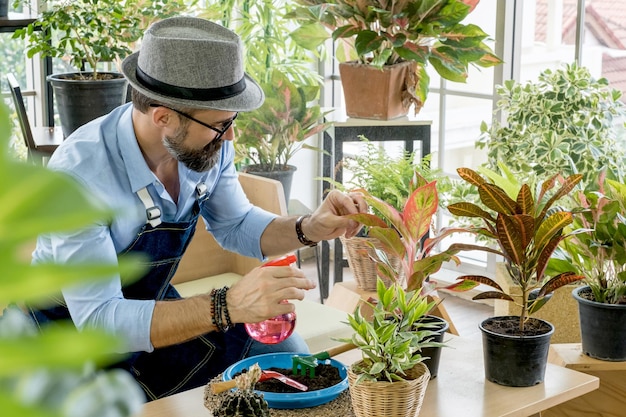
496, 295
469, 210
525, 200
568, 185
558, 281
470, 176
462, 286
481, 280
497, 200
550, 227
545, 255
419, 210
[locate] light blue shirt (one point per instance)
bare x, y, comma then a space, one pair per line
105, 157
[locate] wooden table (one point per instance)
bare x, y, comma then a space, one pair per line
460, 389
607, 401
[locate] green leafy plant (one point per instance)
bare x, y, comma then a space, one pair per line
565, 122
379, 33
598, 250
405, 235
392, 339
88, 32
387, 177
52, 372
269, 136
272, 134
527, 228
562, 123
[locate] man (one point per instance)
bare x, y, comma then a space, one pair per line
160, 163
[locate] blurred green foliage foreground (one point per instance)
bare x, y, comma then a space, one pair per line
57, 372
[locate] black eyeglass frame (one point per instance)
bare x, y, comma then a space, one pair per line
220, 133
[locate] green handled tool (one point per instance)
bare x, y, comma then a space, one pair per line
305, 364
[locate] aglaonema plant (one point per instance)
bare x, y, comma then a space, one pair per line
598, 250
527, 228
406, 234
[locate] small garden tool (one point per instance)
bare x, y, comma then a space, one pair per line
218, 387
305, 364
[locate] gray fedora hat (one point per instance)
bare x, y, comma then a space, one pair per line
192, 62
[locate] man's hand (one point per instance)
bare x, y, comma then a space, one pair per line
258, 295
327, 222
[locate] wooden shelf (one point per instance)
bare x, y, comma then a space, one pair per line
607, 401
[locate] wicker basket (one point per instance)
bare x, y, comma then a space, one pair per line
387, 399
360, 254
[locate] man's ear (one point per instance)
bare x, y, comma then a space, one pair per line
161, 116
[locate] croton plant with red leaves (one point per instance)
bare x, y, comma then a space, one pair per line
527, 231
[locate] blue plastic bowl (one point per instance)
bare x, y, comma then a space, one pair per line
291, 400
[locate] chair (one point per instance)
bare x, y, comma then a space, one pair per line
206, 265
40, 141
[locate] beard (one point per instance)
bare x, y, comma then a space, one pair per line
199, 160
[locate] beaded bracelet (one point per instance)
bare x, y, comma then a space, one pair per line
229, 324
213, 307
219, 310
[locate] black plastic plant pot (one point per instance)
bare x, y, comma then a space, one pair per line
80, 101
512, 360
434, 353
602, 327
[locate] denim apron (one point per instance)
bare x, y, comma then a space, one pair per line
169, 370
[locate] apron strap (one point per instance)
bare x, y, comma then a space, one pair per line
153, 213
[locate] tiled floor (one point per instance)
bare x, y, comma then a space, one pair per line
465, 314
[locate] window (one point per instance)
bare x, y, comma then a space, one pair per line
530, 36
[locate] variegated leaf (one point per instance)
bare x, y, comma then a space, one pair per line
469, 210
510, 237
419, 210
551, 227
559, 281
526, 201
545, 255
481, 280
470, 176
568, 185
494, 295
462, 286
496, 199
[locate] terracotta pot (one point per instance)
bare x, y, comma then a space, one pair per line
371, 93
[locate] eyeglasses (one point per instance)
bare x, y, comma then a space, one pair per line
220, 132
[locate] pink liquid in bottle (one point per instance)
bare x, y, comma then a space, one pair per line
274, 330
279, 328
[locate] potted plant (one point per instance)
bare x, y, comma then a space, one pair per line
88, 33
390, 179
562, 123
268, 137
56, 371
391, 367
404, 240
393, 43
527, 228
598, 252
